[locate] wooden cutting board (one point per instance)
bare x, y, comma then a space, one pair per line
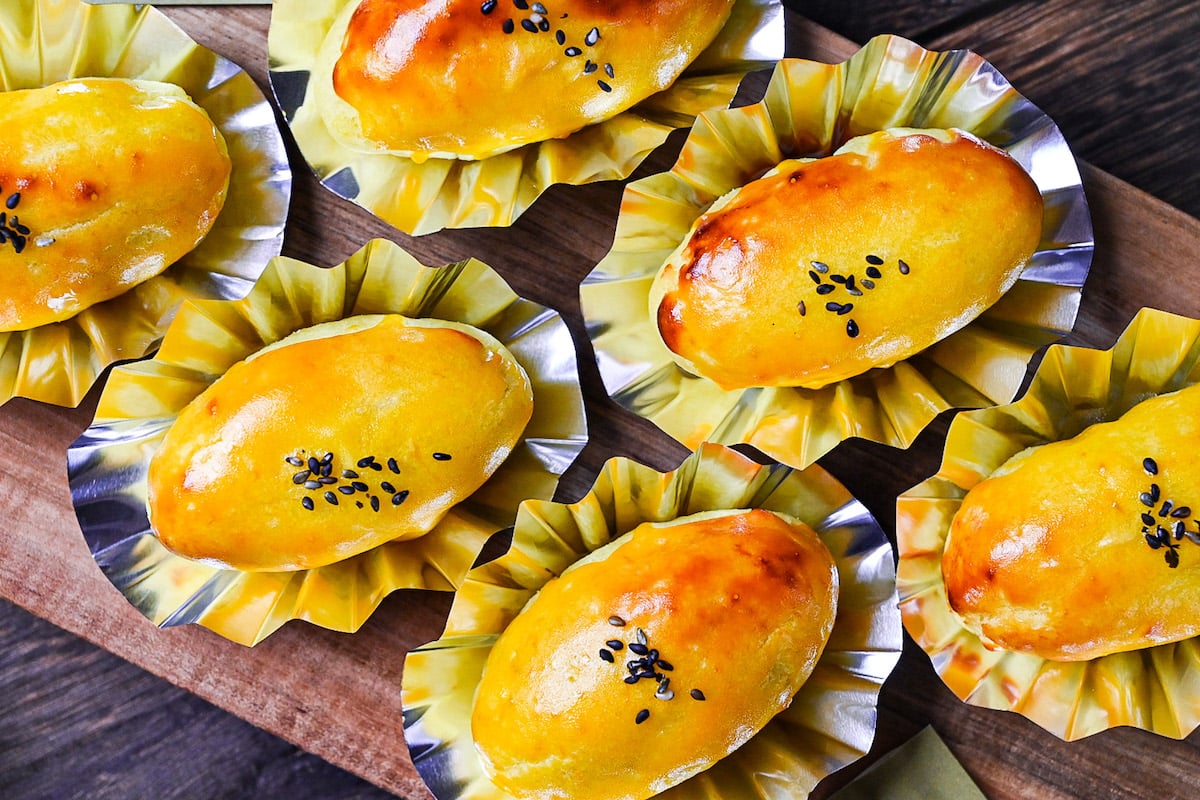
337, 695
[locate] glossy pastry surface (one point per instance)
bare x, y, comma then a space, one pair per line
655, 656
336, 439
105, 183
470, 79
1088, 546
823, 269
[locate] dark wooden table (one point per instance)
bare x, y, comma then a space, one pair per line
1121, 81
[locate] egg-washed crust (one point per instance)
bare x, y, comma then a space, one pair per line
334, 440
654, 657
473, 78
105, 182
1080, 548
825, 268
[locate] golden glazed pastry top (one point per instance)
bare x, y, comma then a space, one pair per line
654, 657
473, 78
1089, 546
823, 269
336, 439
104, 183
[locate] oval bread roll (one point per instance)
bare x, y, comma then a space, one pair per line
105, 183
1089, 546
654, 657
825, 268
336, 439
470, 79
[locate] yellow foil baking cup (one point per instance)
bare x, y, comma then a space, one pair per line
1154, 688
493, 192
809, 110
831, 721
45, 41
107, 464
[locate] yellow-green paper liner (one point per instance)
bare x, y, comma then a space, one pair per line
46, 41
107, 464
810, 109
831, 721
1154, 688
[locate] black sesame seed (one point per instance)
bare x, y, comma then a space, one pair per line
312, 485
867, 283
326, 480
820, 266
521, 4
1182, 512
327, 458
313, 464
642, 716
696, 694
1146, 499
571, 52
640, 635
307, 503
803, 309
609, 71
349, 473
331, 498
359, 486
825, 288
604, 86
387, 487
874, 260
376, 467
374, 503
560, 37
812, 273
488, 6
638, 648
1155, 492
399, 497
295, 462
441, 456
666, 665
833, 306
904, 268
13, 200
592, 37
1163, 534
616, 622
838, 278
543, 24
1172, 558
300, 477
1147, 519
846, 309
652, 656
1150, 465
358, 503
393, 466
607, 656
346, 489
852, 329
326, 470
508, 26
589, 67
615, 644
631, 679
1179, 529
1153, 542
529, 25
873, 272
1166, 508
538, 8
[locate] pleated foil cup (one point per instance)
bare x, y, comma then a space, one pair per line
46, 41
810, 109
107, 464
831, 721
441, 193
1154, 688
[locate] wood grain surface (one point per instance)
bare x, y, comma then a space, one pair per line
77, 721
